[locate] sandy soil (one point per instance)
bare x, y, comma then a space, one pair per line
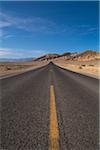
8, 68
86, 67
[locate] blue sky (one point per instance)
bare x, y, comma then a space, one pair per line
31, 29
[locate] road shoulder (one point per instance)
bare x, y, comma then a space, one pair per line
97, 76
11, 74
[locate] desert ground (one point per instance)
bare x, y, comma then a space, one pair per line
87, 62
8, 68
91, 68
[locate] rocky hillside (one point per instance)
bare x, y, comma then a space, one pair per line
83, 56
87, 56
52, 56
47, 57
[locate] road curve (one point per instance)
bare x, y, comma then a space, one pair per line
25, 110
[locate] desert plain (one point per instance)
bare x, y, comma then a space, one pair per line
87, 62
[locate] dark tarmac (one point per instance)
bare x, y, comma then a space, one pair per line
25, 110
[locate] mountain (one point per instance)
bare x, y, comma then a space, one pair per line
80, 56
52, 56
15, 59
47, 57
87, 56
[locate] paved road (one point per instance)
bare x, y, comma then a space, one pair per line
25, 110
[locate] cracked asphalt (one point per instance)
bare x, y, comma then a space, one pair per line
25, 110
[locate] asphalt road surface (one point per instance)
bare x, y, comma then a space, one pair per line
25, 110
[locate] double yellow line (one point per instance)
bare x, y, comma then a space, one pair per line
54, 132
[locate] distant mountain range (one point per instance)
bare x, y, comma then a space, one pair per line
16, 59
79, 56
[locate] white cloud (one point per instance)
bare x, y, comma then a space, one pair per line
82, 30
20, 53
4, 24
42, 25
5, 51
33, 24
5, 35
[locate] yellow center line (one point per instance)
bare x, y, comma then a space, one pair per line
54, 132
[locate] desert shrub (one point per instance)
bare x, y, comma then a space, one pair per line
80, 67
8, 68
83, 65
